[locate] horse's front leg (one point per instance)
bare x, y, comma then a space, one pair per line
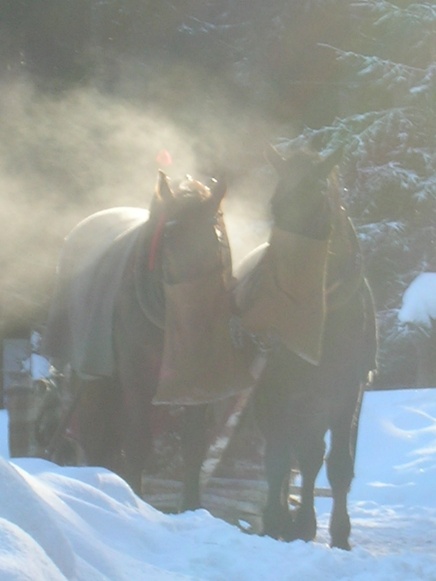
340, 471
96, 422
137, 440
137, 386
194, 446
340, 474
277, 518
271, 400
310, 449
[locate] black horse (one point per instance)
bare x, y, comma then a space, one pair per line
304, 297
141, 314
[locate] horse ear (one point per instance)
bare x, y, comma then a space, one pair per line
163, 190
277, 161
218, 190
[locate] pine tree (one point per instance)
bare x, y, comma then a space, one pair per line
389, 168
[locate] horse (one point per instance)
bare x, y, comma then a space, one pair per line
140, 318
302, 299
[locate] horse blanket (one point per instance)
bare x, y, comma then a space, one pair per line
199, 362
91, 266
287, 286
281, 292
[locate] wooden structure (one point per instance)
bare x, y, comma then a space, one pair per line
232, 477
22, 397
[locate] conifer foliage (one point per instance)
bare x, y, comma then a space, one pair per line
357, 75
389, 167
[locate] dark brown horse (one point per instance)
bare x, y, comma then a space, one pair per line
141, 315
303, 295
302, 394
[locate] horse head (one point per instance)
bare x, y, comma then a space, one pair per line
189, 232
285, 298
193, 262
300, 203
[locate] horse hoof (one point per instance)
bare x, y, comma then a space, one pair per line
187, 506
305, 525
280, 527
340, 530
344, 545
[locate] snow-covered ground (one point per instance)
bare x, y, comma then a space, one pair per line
85, 524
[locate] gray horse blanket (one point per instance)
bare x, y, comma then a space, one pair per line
91, 266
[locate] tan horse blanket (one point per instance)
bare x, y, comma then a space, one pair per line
283, 296
287, 286
200, 364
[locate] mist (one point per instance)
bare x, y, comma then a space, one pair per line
66, 155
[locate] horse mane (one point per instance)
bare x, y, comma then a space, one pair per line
190, 187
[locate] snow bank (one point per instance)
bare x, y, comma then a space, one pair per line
86, 524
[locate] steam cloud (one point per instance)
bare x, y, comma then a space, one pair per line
63, 157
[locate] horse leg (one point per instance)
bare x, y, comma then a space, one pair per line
274, 417
137, 437
292, 415
277, 518
93, 416
194, 444
310, 449
340, 470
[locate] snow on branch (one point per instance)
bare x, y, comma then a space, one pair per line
423, 13
386, 74
419, 301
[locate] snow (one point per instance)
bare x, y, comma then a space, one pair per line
85, 524
419, 301
37, 366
